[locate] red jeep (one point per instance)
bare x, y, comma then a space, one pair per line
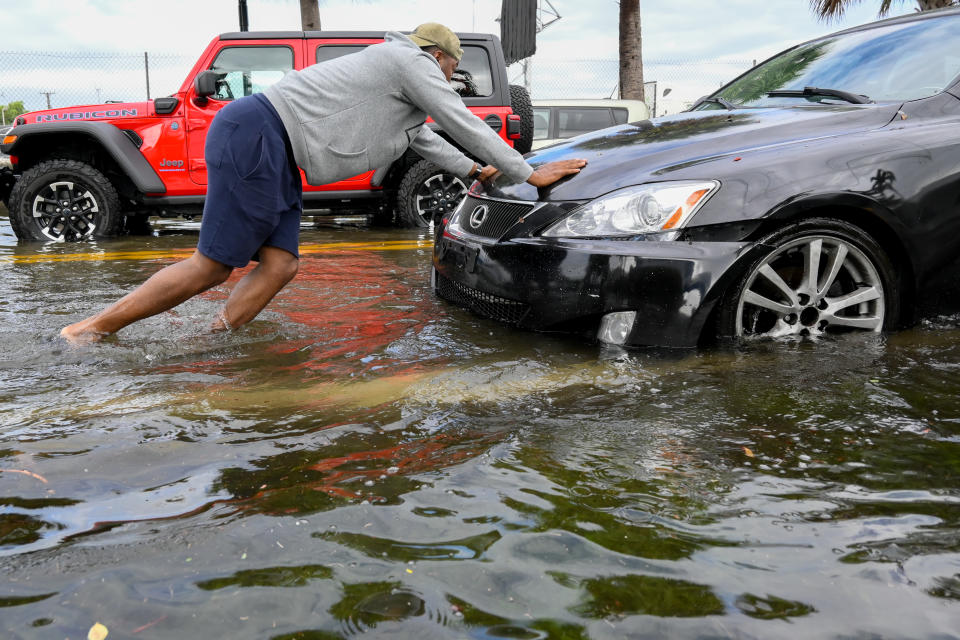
97, 170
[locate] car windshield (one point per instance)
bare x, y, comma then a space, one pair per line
895, 62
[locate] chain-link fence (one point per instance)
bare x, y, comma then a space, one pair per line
51, 79
670, 85
43, 80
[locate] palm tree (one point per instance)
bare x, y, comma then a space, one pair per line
834, 9
631, 56
310, 15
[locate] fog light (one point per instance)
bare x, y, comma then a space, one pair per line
616, 327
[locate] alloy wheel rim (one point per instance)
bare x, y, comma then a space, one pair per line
65, 211
439, 195
811, 286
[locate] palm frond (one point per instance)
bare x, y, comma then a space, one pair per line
829, 10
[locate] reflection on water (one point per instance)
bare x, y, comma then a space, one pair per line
364, 459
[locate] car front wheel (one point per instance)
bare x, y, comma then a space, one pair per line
427, 193
64, 201
822, 276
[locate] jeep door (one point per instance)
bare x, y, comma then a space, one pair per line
246, 67
321, 50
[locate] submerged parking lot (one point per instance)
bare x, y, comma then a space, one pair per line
365, 457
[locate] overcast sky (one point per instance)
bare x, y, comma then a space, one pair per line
697, 33
588, 29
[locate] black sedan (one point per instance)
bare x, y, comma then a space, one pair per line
819, 192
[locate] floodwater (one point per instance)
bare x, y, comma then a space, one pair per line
364, 459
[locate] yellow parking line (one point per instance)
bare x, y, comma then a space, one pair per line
306, 249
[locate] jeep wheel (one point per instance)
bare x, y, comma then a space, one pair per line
64, 201
427, 193
521, 105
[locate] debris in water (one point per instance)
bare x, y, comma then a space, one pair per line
26, 473
97, 632
149, 624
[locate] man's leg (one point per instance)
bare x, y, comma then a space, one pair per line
163, 290
277, 267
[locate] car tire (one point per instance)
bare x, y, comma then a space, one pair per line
37, 210
521, 105
856, 286
427, 193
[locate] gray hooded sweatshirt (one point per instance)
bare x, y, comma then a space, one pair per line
363, 111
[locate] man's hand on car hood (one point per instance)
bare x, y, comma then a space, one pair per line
545, 175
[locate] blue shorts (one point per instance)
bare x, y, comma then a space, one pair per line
254, 193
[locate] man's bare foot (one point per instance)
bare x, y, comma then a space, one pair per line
220, 323
81, 333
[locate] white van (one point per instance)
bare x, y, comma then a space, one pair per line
556, 120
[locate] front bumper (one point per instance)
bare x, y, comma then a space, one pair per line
569, 285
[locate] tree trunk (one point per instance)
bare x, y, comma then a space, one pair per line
631, 57
310, 15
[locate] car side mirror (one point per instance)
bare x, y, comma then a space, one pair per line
205, 84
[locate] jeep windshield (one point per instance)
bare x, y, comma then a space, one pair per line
892, 62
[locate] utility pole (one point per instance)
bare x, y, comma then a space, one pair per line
146, 70
244, 18
48, 94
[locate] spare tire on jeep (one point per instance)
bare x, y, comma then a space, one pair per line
521, 105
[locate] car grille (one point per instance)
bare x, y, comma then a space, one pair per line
500, 216
480, 302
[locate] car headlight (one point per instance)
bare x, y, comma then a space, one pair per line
648, 208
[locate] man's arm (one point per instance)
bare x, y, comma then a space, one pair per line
441, 153
425, 86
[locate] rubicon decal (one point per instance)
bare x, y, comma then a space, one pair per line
87, 115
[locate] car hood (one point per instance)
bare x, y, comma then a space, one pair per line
659, 149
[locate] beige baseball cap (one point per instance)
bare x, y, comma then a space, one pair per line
435, 34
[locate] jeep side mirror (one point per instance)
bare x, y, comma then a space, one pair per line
205, 83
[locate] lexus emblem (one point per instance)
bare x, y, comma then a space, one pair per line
478, 216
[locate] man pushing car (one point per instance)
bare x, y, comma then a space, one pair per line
334, 120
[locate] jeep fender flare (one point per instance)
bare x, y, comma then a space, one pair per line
121, 148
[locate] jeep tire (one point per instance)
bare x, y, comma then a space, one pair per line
427, 193
521, 105
64, 201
